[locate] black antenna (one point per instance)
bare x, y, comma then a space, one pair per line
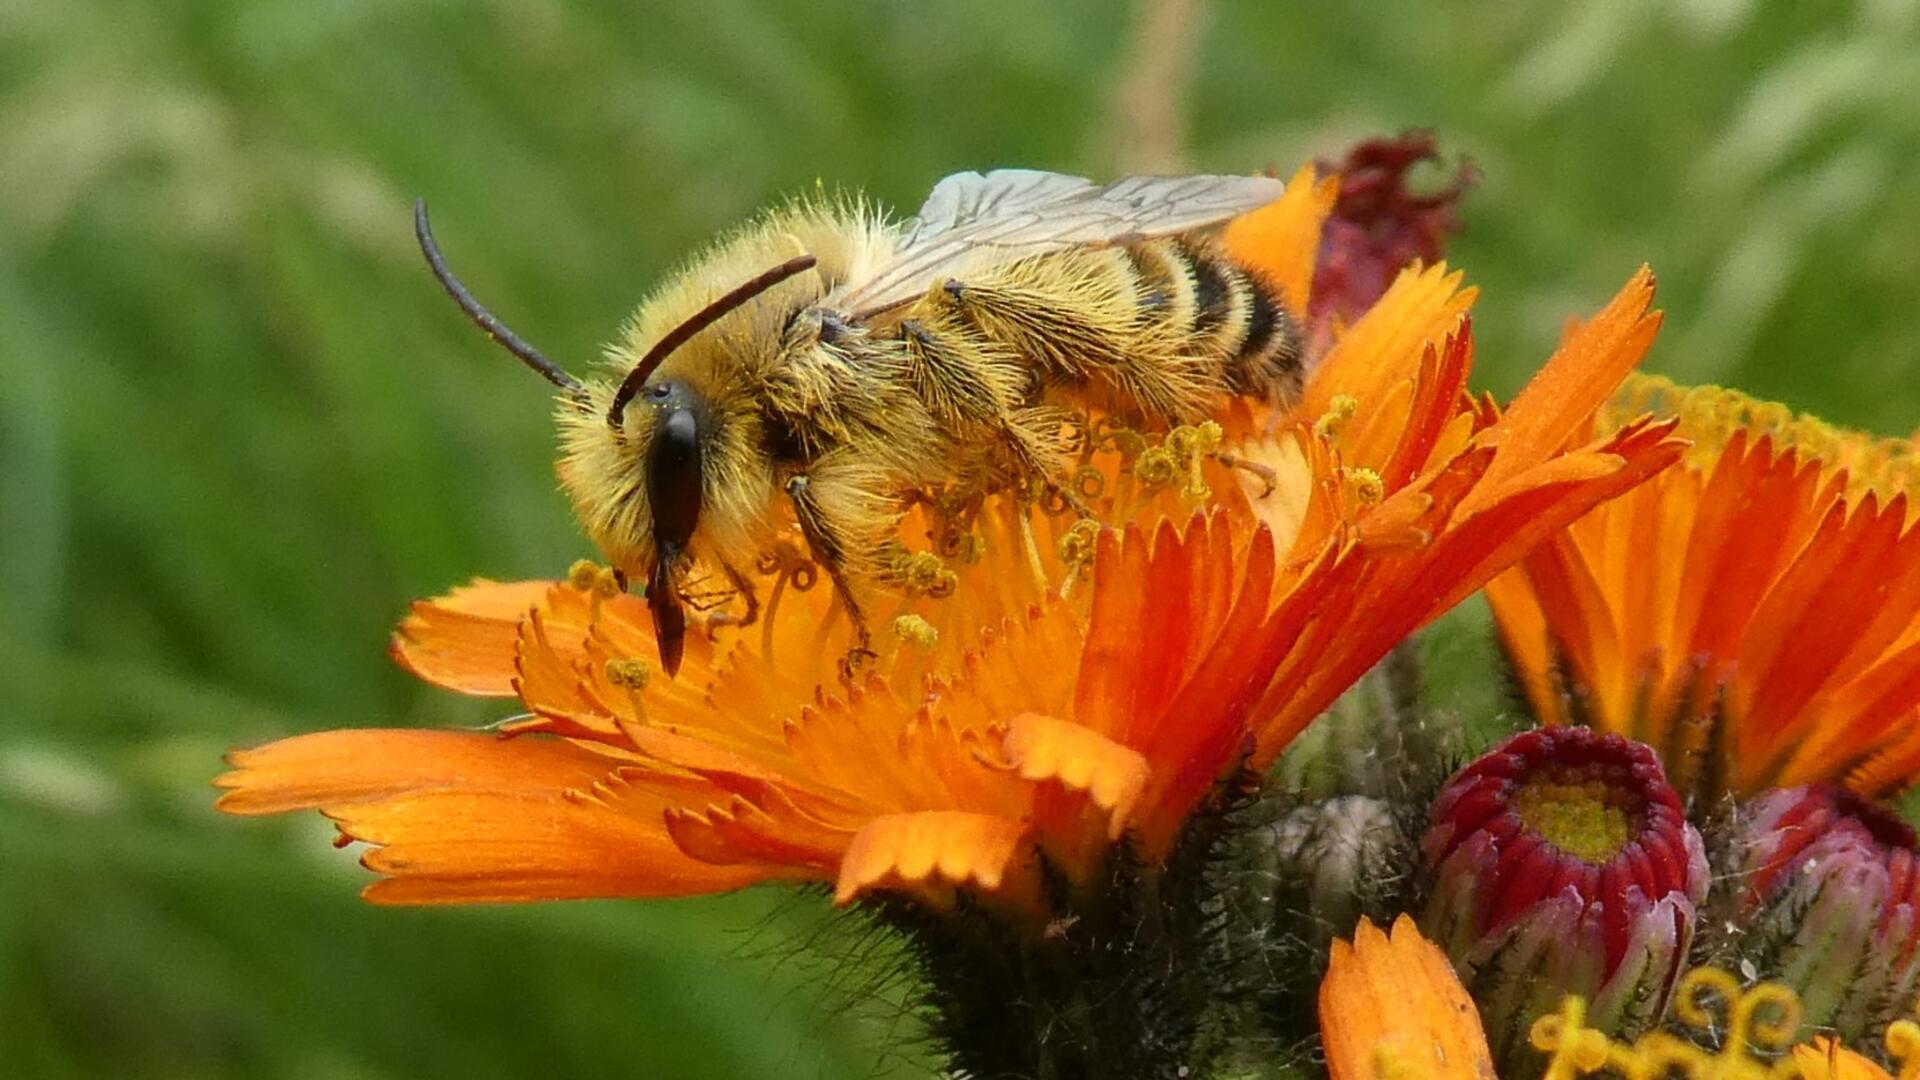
701, 319
483, 318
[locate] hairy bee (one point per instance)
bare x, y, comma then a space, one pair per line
825, 367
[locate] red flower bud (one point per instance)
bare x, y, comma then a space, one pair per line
1832, 904
1560, 863
1379, 225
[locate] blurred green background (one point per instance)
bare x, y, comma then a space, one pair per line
240, 427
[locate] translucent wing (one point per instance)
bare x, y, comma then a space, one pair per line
971, 220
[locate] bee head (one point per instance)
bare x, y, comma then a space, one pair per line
638, 476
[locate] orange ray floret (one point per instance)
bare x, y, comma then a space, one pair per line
1826, 1059
1046, 687
1281, 242
1451, 493
1391, 1005
1754, 615
467, 817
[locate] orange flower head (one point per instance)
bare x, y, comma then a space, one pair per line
1754, 614
1057, 700
1050, 686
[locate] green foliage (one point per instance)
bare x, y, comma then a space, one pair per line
240, 428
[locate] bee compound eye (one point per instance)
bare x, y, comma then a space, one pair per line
674, 479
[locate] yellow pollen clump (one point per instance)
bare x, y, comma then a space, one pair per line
589, 576
1575, 816
1363, 486
582, 574
1156, 467
925, 572
630, 673
917, 630
1339, 411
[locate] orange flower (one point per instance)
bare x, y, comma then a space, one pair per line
1050, 687
1391, 1006
1753, 615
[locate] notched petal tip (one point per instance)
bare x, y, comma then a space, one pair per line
464, 641
939, 848
1112, 776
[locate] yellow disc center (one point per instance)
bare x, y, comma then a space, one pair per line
1584, 818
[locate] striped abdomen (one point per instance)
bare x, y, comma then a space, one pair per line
1166, 327
1222, 313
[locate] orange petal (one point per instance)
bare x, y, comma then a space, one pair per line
1825, 1059
1393, 1007
331, 768
1582, 373
460, 847
774, 834
1111, 775
464, 641
463, 817
1280, 241
933, 847
1528, 642
1382, 349
1438, 388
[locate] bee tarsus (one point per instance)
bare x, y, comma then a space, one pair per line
828, 546
1266, 475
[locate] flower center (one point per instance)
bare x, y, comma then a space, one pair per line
1710, 416
1583, 816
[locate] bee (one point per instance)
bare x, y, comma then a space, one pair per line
825, 367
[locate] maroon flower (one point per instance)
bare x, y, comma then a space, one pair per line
1379, 225
1832, 904
1561, 862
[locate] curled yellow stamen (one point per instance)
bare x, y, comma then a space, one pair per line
1339, 411
1363, 486
1155, 467
913, 628
1753, 1025
629, 673
1076, 546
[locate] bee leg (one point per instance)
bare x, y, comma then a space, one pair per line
1039, 461
743, 587
1267, 476
829, 550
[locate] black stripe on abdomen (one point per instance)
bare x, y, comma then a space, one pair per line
1266, 363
